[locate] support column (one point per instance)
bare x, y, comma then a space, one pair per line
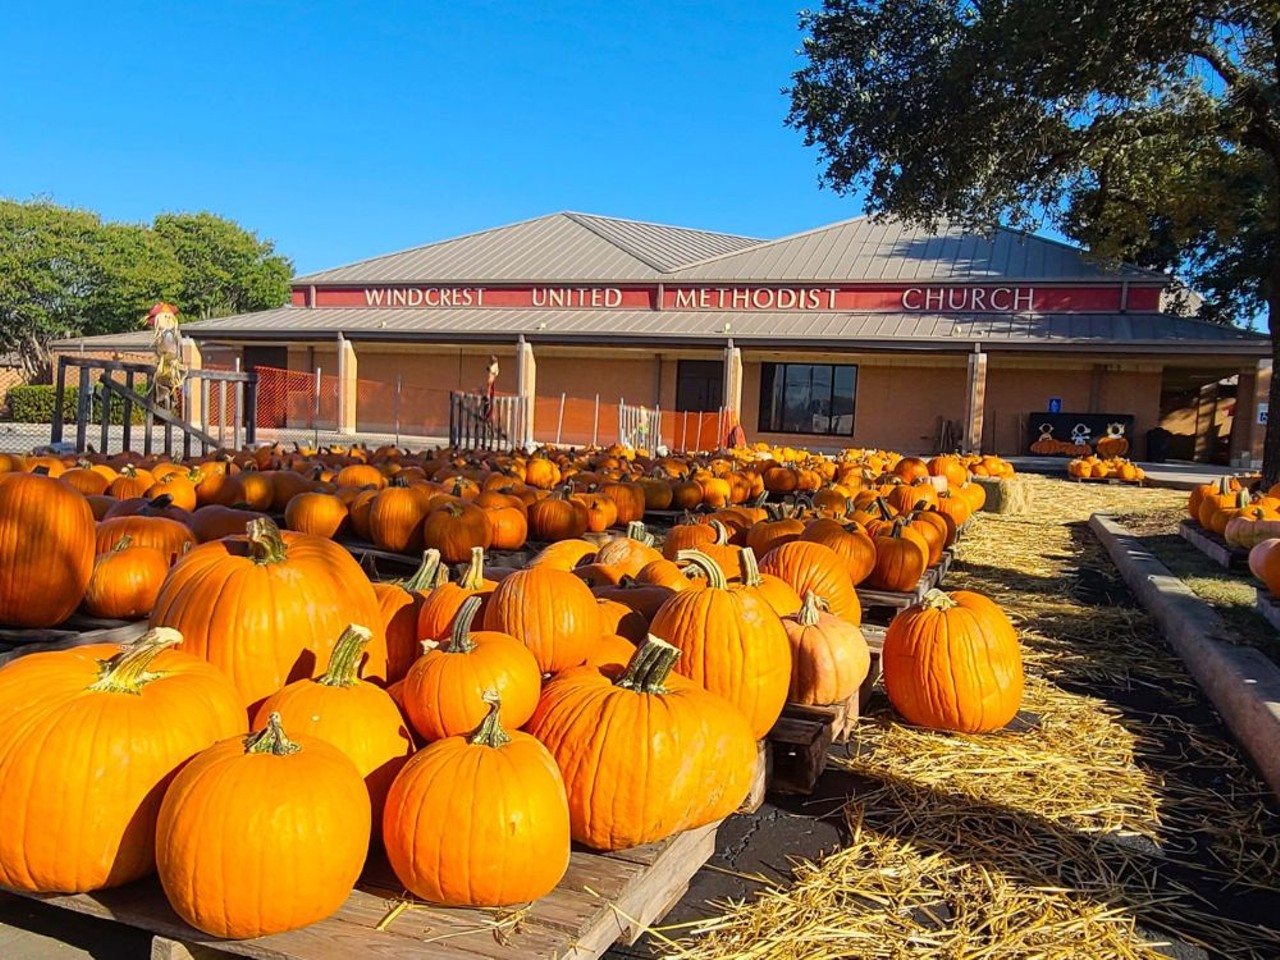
347, 383
526, 387
732, 399
193, 363
975, 401
1258, 422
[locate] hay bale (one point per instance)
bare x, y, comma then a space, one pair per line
1006, 494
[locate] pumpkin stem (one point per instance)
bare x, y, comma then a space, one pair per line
722, 532
637, 532
265, 543
460, 638
750, 568
473, 577
122, 544
649, 666
937, 600
127, 672
344, 662
428, 574
490, 732
271, 739
710, 569
810, 609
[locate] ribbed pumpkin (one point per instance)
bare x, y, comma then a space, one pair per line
92, 735
901, 559
171, 538
357, 717
644, 753
631, 553
557, 518
508, 527
692, 534
395, 520
480, 820
565, 555
215, 522
400, 602
953, 662
731, 642
829, 655
779, 594
763, 537
46, 550
126, 581
456, 529
551, 612
267, 608
811, 566
850, 544
443, 692
262, 834
440, 608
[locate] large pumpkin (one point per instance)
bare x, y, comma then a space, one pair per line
400, 602
551, 612
92, 735
262, 834
267, 608
170, 537
850, 544
479, 821
953, 662
357, 717
439, 609
731, 642
125, 582
443, 692
46, 550
813, 567
644, 753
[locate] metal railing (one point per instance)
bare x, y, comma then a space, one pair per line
477, 422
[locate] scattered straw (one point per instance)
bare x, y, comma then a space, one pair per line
1112, 827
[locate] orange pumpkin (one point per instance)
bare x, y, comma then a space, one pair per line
811, 566
171, 538
443, 692
629, 554
456, 530
901, 559
93, 735
296, 809
126, 581
952, 662
732, 643
321, 514
550, 611
46, 550
267, 608
850, 544
480, 820
829, 655
439, 609
400, 602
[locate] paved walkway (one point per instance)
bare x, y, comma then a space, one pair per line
1174, 475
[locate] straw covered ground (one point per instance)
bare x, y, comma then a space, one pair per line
1116, 821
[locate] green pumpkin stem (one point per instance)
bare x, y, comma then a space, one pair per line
750, 567
127, 671
490, 732
429, 575
710, 569
811, 609
937, 599
473, 577
124, 543
460, 638
271, 739
265, 543
649, 667
636, 531
722, 533
344, 662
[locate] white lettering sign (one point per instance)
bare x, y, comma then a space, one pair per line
970, 299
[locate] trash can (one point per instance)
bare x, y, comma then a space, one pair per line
1158, 445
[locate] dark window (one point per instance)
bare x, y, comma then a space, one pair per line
815, 398
699, 385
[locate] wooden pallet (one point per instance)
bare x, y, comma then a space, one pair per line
603, 899
1268, 606
800, 740
78, 631
943, 567
890, 602
1212, 545
1114, 480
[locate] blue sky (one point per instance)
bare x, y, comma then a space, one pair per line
344, 130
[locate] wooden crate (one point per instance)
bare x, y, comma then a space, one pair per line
1268, 606
603, 899
78, 631
889, 602
1212, 545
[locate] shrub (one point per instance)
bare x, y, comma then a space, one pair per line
34, 404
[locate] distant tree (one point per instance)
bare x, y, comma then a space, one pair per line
1147, 130
226, 269
64, 273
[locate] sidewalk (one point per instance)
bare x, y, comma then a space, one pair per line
1173, 475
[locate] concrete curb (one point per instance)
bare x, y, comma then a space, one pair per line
1243, 684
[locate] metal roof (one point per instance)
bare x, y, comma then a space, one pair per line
808, 329
866, 249
562, 246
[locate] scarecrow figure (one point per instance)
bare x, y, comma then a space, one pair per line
166, 382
